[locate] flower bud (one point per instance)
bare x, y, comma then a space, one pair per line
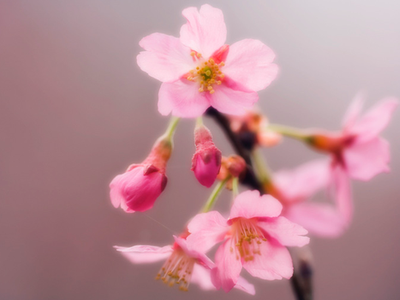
232, 166
138, 188
235, 165
268, 138
206, 161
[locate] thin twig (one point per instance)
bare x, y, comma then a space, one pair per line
301, 280
249, 178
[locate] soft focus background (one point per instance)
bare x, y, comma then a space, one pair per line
75, 110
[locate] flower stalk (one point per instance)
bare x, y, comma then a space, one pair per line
291, 132
214, 195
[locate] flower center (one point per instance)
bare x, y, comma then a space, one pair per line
207, 73
246, 239
177, 270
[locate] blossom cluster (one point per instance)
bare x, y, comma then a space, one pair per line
201, 75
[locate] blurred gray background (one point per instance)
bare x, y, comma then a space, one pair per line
76, 110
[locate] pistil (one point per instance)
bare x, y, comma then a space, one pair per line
207, 74
246, 240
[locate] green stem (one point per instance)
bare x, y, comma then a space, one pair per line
261, 167
289, 131
214, 195
169, 133
235, 186
199, 122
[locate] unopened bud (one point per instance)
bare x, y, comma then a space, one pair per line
236, 165
206, 161
268, 138
138, 188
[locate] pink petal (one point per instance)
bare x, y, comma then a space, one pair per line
353, 112
318, 218
205, 30
304, 181
116, 196
182, 98
249, 62
165, 58
136, 191
232, 98
193, 252
274, 262
226, 274
285, 232
245, 286
375, 120
206, 165
202, 277
207, 229
342, 195
250, 204
367, 159
145, 254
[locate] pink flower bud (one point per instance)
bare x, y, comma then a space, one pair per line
268, 138
235, 165
206, 161
138, 188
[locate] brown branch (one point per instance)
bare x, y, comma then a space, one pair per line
242, 149
301, 280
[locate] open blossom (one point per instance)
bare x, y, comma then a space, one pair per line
295, 188
182, 265
254, 237
358, 148
206, 161
138, 188
199, 70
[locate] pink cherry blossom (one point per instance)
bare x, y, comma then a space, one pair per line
358, 148
182, 265
295, 188
254, 237
367, 154
199, 70
139, 187
206, 161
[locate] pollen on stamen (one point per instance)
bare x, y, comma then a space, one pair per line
207, 74
247, 239
177, 270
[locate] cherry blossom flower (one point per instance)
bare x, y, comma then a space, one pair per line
358, 148
254, 237
295, 188
138, 188
182, 265
199, 70
206, 161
